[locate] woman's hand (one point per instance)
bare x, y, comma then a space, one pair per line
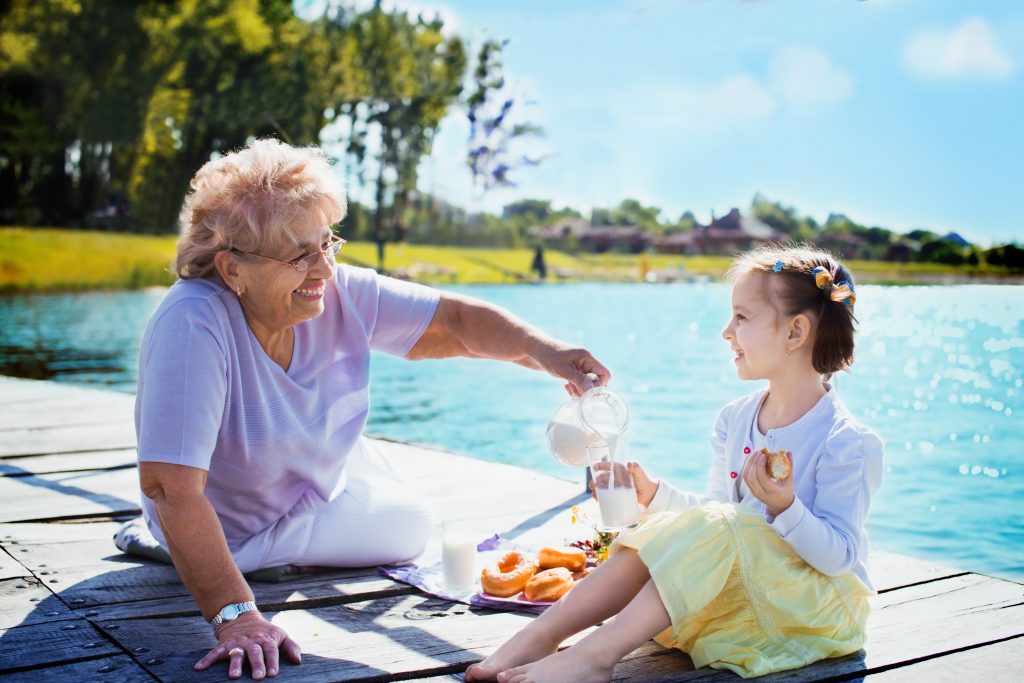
251, 638
645, 486
573, 365
776, 495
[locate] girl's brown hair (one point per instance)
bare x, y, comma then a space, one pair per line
793, 289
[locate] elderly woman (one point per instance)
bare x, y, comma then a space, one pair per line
253, 391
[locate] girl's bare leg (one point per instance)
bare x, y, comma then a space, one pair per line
594, 658
604, 593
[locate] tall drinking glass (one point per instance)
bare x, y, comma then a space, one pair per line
616, 494
458, 555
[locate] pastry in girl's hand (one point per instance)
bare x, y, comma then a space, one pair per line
548, 585
508, 576
572, 559
779, 463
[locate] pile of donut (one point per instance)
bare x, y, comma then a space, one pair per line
545, 579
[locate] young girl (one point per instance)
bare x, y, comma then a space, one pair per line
758, 575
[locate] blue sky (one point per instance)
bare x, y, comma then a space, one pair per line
900, 113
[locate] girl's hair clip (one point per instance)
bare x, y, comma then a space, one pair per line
822, 277
777, 268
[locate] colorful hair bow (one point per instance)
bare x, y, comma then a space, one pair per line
777, 268
841, 291
822, 278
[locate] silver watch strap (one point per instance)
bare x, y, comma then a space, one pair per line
231, 612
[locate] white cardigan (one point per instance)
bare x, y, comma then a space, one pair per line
837, 466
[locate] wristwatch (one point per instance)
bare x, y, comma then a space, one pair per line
231, 612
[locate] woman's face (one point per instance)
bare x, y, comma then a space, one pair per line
277, 295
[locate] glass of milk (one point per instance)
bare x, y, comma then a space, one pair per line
613, 484
458, 556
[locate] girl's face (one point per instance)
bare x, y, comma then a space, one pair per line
755, 331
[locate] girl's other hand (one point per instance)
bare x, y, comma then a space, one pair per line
645, 486
776, 495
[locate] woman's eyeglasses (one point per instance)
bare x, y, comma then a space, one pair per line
304, 263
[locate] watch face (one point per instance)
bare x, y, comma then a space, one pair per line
229, 612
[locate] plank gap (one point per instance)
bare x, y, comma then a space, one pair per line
121, 515
74, 660
921, 583
112, 468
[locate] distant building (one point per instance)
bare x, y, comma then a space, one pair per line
842, 244
578, 233
729, 234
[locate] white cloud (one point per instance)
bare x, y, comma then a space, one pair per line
805, 75
732, 103
969, 49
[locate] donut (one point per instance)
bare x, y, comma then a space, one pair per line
549, 585
572, 559
508, 575
779, 464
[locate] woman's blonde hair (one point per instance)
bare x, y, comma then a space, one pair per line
251, 199
793, 286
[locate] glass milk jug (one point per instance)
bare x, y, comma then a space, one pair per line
598, 415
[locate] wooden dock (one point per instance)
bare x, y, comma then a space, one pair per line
72, 607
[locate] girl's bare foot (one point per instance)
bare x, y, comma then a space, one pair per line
567, 665
522, 648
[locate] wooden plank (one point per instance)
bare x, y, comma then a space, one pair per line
890, 571
27, 601
50, 496
991, 663
119, 669
93, 572
78, 408
73, 410
908, 624
68, 462
51, 643
15, 391
11, 568
370, 640
42, 533
67, 439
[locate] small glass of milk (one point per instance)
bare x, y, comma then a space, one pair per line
613, 484
458, 556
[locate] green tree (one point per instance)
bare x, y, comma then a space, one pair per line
400, 75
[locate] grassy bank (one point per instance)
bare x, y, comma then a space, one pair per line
51, 259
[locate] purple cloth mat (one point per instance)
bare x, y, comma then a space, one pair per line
429, 578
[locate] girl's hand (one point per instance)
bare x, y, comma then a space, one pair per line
645, 486
776, 495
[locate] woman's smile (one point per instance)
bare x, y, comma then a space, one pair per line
310, 293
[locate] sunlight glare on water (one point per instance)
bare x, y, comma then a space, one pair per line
939, 375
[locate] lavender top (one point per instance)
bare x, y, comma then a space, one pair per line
210, 397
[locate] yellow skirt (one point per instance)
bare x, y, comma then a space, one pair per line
739, 597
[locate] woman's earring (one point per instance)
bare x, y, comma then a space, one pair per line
238, 291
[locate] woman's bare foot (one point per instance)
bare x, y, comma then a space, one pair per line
567, 665
522, 648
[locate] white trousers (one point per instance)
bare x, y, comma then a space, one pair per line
377, 519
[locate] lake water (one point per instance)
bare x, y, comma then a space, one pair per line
939, 375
